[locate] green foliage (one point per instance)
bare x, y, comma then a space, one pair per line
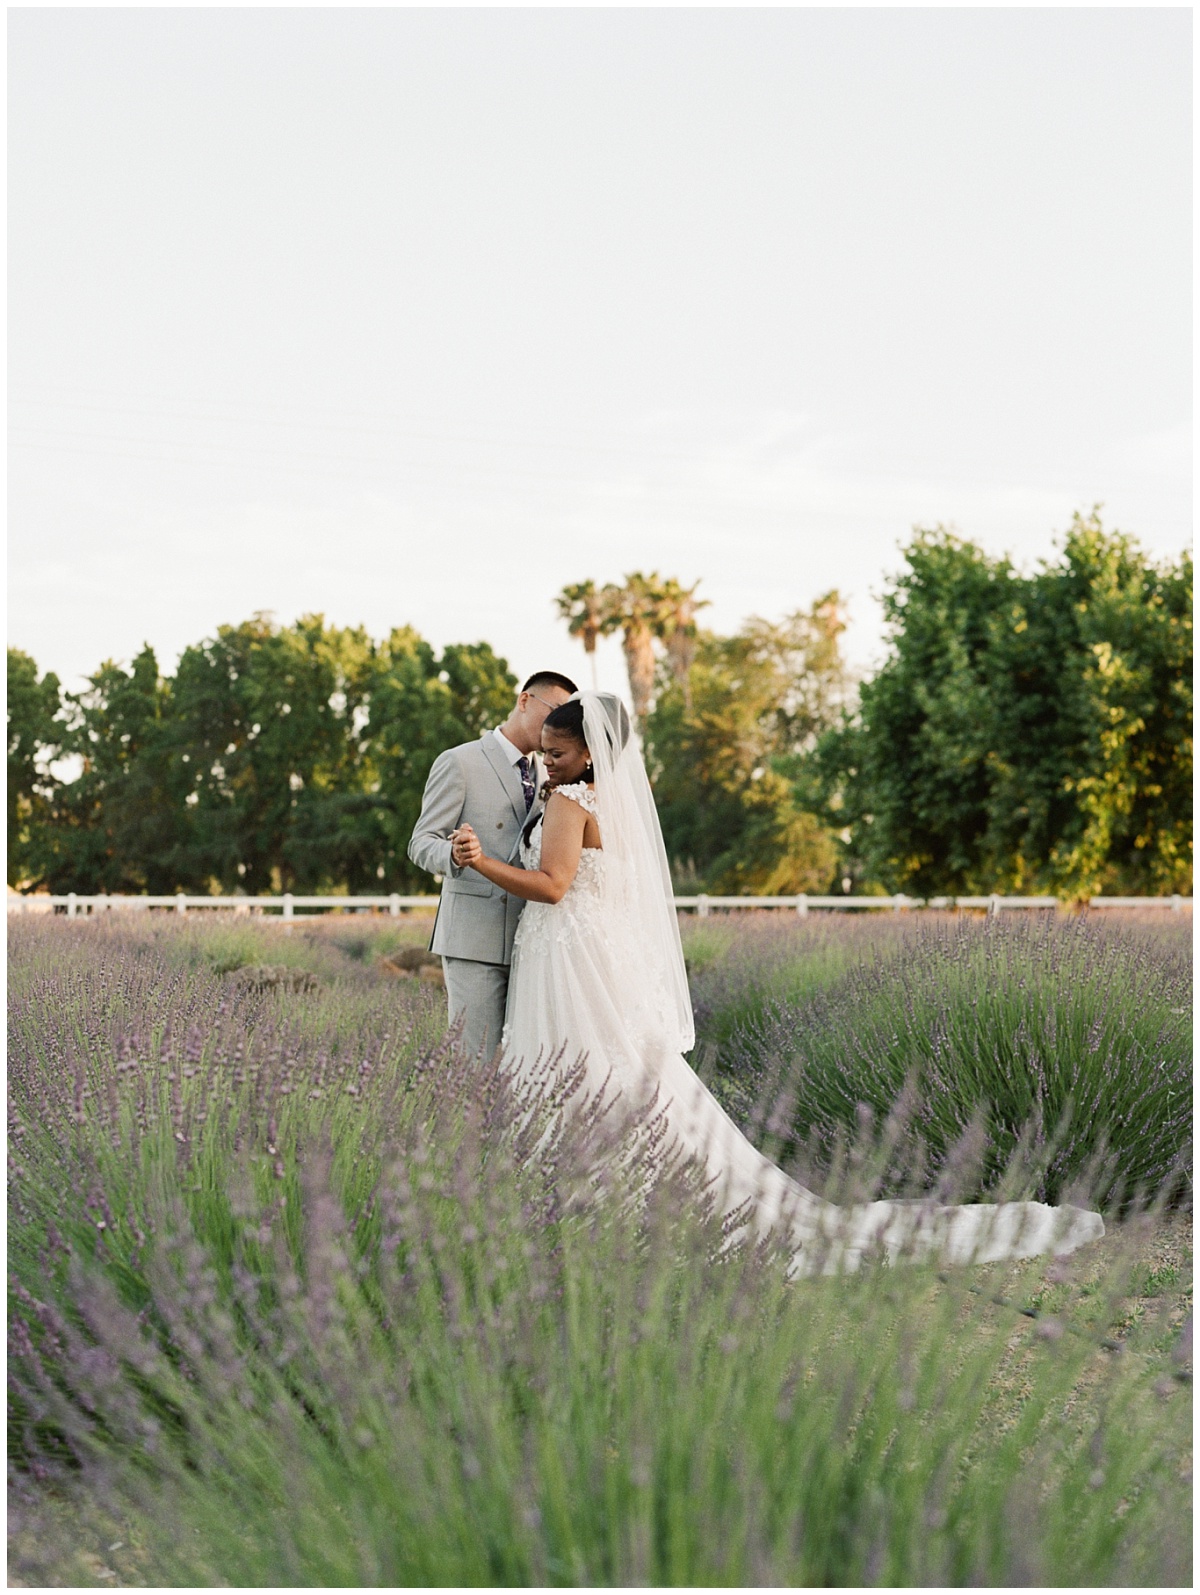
276, 758
264, 720
1135, 796
725, 763
421, 706
110, 829
34, 737
1027, 733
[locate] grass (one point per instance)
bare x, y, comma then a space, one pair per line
293, 1303
326, 944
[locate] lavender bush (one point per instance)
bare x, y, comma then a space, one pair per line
293, 1302
738, 962
1070, 1040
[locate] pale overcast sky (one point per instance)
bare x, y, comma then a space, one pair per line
412, 316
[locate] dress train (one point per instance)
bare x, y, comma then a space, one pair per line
574, 1002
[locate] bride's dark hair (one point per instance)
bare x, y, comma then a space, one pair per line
568, 718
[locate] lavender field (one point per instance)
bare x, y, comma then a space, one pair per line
292, 1300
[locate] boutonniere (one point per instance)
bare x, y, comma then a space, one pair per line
544, 791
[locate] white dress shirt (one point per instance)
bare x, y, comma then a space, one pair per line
513, 755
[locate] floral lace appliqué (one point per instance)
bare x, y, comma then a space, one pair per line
580, 792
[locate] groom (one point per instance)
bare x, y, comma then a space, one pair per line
491, 785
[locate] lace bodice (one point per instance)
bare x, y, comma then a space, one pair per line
574, 914
590, 860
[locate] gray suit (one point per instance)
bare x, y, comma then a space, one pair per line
473, 784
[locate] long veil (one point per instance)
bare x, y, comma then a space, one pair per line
608, 992
637, 876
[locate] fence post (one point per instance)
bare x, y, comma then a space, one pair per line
802, 906
394, 905
1176, 903
702, 906
897, 902
994, 903
72, 908
180, 903
288, 909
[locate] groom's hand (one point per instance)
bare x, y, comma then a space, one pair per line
464, 846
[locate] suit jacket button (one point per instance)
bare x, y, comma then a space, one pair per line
499, 825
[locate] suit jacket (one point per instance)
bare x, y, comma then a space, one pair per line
473, 784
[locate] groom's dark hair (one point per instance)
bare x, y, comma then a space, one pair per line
549, 678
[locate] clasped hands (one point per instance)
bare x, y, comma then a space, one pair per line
465, 846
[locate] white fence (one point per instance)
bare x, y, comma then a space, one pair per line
286, 905
898, 904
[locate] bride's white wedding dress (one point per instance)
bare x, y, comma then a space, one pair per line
598, 984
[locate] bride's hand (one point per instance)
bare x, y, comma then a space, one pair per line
465, 848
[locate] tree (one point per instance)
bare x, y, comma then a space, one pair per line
277, 758
645, 610
585, 609
680, 607
1026, 733
34, 739
420, 706
639, 611
1135, 794
908, 773
116, 826
263, 727
725, 769
815, 684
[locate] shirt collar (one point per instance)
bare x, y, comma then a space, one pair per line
513, 755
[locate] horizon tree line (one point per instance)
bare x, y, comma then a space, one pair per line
1025, 733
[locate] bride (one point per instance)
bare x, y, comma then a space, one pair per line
598, 983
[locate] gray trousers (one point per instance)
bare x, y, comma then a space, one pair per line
476, 993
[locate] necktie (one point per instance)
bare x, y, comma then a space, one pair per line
526, 781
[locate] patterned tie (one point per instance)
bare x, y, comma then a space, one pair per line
526, 781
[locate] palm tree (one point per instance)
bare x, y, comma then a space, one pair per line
639, 611
680, 605
582, 606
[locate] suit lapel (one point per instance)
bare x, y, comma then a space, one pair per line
509, 776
